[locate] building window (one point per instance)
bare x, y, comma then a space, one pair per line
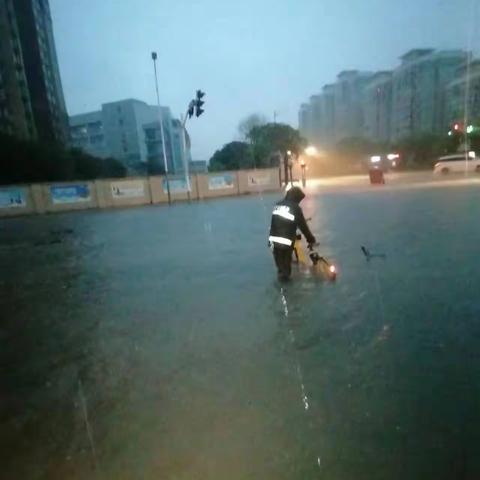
95, 139
120, 121
150, 134
95, 127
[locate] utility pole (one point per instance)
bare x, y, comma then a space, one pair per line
162, 134
274, 116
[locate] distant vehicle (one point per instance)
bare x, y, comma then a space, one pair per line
393, 160
384, 161
457, 163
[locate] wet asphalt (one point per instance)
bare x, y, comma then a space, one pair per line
156, 343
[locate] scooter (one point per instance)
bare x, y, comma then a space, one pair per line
320, 264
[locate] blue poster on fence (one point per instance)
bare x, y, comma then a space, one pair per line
13, 197
70, 193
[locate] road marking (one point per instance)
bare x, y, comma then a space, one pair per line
304, 396
83, 403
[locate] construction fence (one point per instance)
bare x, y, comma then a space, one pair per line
124, 192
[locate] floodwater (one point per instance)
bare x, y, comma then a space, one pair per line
155, 342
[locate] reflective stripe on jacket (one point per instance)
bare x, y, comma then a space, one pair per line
287, 217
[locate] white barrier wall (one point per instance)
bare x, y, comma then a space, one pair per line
218, 184
123, 192
258, 180
57, 197
16, 200
178, 189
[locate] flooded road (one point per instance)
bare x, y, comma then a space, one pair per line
155, 342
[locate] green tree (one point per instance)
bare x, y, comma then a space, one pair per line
113, 168
85, 166
232, 156
246, 125
272, 139
25, 161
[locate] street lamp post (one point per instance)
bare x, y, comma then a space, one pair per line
154, 58
304, 176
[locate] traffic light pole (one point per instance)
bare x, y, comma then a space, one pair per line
185, 159
194, 105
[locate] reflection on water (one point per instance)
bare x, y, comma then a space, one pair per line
156, 343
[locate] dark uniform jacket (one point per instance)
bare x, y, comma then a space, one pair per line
287, 216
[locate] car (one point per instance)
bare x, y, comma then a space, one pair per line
384, 161
459, 162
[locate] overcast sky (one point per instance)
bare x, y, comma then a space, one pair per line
248, 55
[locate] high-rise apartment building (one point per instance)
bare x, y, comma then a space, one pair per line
420, 89
32, 104
305, 121
377, 107
349, 91
423, 94
463, 96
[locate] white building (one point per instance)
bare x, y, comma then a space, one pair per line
86, 133
117, 130
176, 153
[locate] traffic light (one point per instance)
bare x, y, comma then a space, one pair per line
199, 103
191, 108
